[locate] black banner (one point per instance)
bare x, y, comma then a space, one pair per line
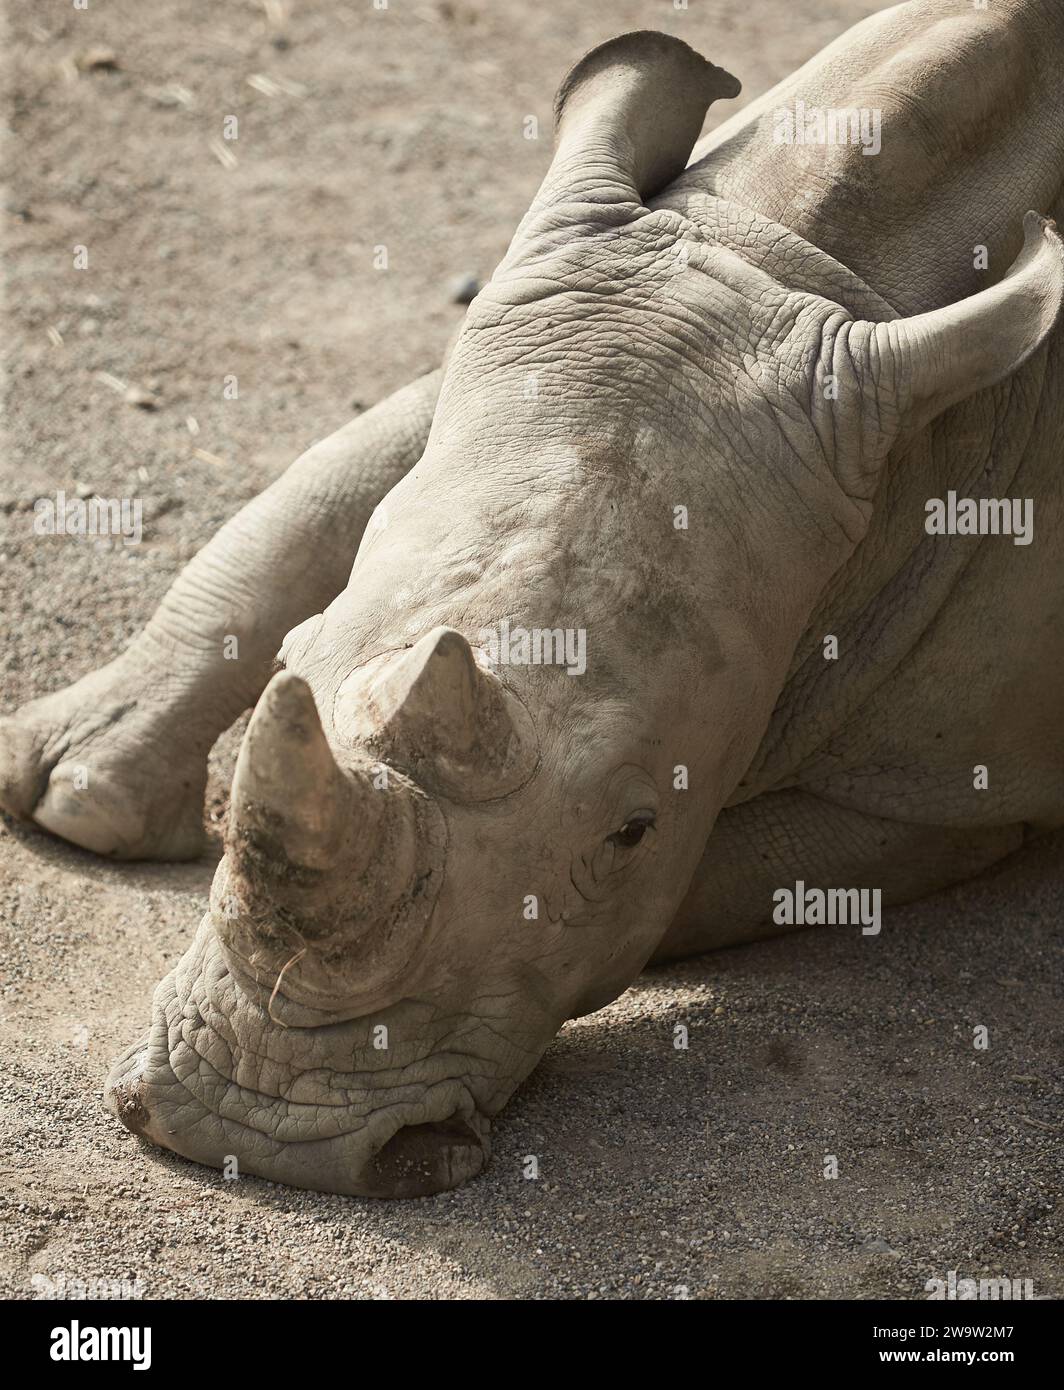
141, 1337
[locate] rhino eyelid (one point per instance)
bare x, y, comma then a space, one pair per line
633, 830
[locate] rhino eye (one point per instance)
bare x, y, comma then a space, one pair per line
632, 831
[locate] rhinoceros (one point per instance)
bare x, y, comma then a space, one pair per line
633, 616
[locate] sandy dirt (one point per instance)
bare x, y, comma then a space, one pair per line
663, 1172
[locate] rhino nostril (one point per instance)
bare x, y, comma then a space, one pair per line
420, 1160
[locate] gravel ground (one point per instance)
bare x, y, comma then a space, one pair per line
662, 1172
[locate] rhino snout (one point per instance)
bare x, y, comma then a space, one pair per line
218, 1080
417, 1158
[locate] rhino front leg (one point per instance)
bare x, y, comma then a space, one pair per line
782, 837
117, 762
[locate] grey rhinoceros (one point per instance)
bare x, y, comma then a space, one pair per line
651, 622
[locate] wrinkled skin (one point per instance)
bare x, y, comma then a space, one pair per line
654, 339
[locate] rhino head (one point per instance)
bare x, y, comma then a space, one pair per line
440, 848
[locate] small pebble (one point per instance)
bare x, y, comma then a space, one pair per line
463, 289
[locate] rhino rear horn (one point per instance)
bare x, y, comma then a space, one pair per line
434, 711
633, 107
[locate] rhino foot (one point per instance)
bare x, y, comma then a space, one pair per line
110, 764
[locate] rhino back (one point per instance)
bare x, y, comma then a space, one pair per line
971, 104
951, 648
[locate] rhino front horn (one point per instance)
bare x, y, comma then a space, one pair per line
290, 802
330, 874
433, 711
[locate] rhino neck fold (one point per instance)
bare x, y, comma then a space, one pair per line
770, 246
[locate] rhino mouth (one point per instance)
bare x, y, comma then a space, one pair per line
284, 1109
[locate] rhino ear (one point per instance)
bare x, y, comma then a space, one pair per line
927, 363
632, 110
439, 715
